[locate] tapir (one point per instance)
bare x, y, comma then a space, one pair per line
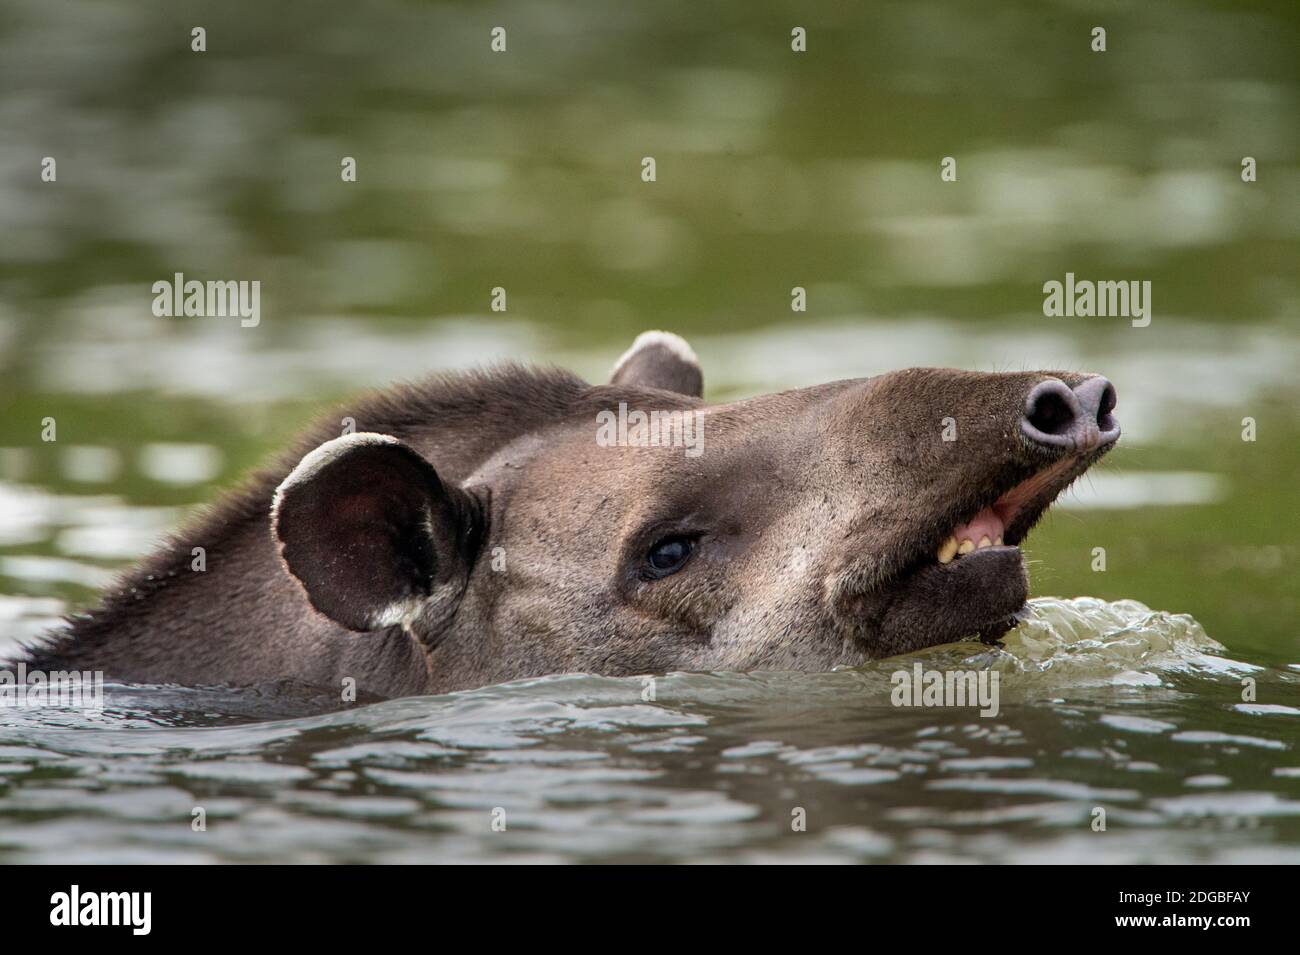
515, 522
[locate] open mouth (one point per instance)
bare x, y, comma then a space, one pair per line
1008, 519
973, 582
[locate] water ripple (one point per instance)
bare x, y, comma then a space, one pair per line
575, 767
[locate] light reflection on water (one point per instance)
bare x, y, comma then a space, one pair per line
1164, 372
1102, 705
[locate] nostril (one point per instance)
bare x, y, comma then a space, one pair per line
1050, 411
1096, 397
1105, 420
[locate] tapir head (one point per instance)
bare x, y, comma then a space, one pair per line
641, 530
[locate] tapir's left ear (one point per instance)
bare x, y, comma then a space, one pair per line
660, 360
372, 534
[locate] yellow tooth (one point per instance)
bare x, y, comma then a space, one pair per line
948, 550
998, 542
965, 548
984, 542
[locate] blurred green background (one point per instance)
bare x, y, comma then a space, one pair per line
775, 169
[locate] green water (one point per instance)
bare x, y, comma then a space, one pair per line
774, 169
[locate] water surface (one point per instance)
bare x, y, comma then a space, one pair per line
1103, 707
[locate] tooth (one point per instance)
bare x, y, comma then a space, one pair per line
948, 550
965, 548
984, 542
998, 542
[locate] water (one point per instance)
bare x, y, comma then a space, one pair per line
522, 171
1102, 705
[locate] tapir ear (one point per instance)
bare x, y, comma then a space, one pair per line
660, 360
371, 533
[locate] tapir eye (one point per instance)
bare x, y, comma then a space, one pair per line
669, 556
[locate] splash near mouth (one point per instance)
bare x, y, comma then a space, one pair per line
1088, 642
1121, 642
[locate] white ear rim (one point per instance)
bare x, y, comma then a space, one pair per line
673, 342
318, 458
